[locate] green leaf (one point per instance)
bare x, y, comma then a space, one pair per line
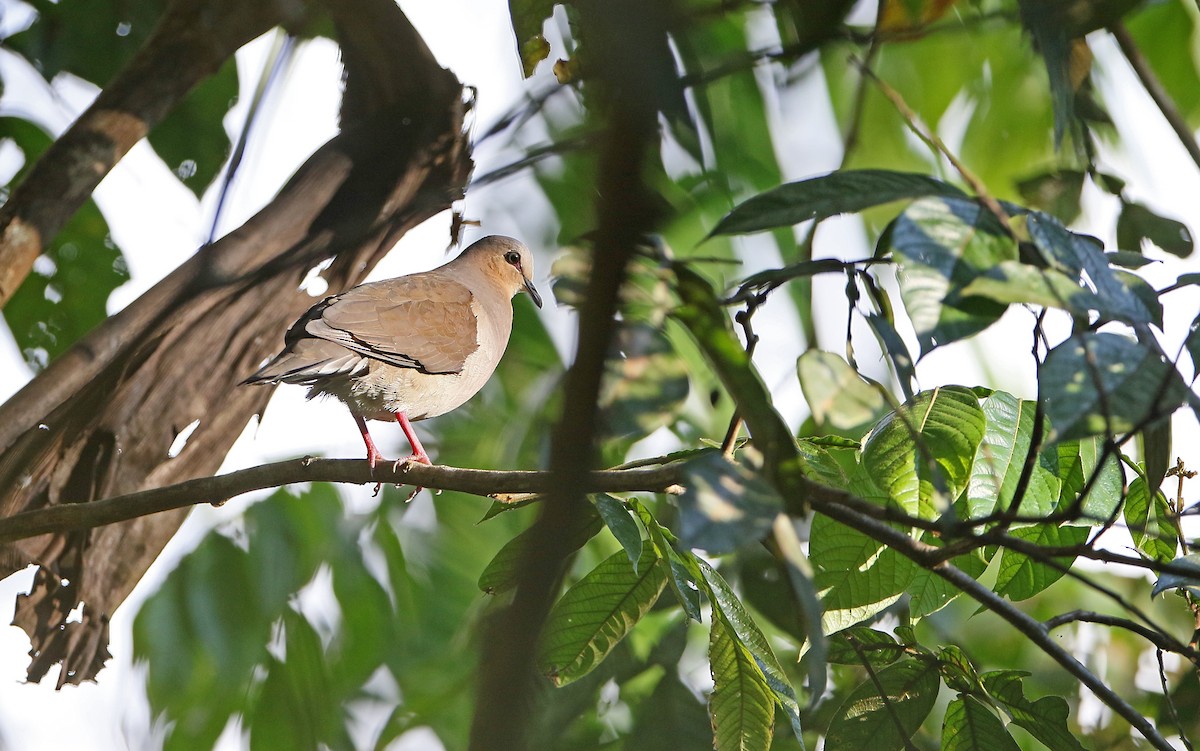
645, 383
822, 197
945, 427
724, 505
683, 579
527, 19
837, 395
670, 717
856, 575
500, 574
742, 706
1015, 282
969, 725
729, 608
929, 592
616, 517
859, 644
800, 576
885, 721
294, 708
1056, 192
596, 613
1001, 458
1045, 719
1186, 576
66, 296
1154, 444
1138, 223
1093, 376
1154, 530
1020, 576
1074, 254
92, 42
957, 670
941, 246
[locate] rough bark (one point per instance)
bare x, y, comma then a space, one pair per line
99, 421
189, 44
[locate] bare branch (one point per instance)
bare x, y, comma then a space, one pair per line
1155, 89
217, 490
1160, 640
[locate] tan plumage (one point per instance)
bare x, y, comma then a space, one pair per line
412, 347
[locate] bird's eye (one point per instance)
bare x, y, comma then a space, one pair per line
513, 257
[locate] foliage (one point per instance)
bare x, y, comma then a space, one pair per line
851, 583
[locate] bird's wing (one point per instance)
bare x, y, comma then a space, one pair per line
424, 321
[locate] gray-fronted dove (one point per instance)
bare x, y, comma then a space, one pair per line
412, 347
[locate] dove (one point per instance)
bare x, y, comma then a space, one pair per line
412, 347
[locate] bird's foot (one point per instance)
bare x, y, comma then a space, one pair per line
418, 458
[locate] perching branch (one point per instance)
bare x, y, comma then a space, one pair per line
218, 489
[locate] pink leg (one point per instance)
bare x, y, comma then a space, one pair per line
373, 454
418, 454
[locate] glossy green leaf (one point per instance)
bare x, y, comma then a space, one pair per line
596, 612
749, 636
944, 427
969, 725
885, 721
1138, 223
1154, 530
929, 592
1021, 576
1154, 445
1045, 719
1015, 282
618, 520
724, 505
836, 393
828, 195
1099, 383
941, 246
741, 706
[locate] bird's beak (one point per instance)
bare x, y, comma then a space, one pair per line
533, 293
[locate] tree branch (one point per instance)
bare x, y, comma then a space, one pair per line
219, 489
1155, 89
188, 45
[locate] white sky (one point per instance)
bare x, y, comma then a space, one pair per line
158, 223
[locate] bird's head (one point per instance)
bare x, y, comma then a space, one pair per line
508, 262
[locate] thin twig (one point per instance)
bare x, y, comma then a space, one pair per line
743, 318
216, 490
1155, 89
1160, 640
935, 143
